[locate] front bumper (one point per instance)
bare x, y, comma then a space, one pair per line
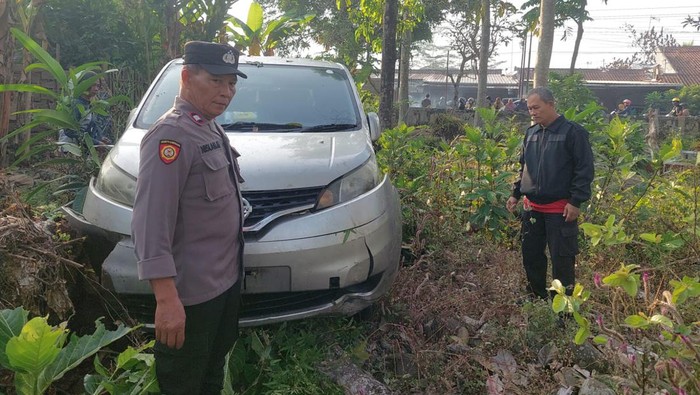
290, 272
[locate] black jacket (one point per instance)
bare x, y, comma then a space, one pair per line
556, 163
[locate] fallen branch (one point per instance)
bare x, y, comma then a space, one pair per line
5, 228
54, 256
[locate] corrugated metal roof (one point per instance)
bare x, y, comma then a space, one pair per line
467, 79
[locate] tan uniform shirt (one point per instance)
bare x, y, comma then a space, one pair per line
187, 217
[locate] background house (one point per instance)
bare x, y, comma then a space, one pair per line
674, 68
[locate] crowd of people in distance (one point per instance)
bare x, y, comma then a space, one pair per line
625, 109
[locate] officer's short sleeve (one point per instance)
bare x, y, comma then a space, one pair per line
165, 161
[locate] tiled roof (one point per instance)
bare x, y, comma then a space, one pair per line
685, 61
615, 76
467, 79
591, 76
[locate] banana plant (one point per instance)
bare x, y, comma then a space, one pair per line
69, 86
260, 37
39, 353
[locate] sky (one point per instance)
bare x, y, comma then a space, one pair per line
604, 37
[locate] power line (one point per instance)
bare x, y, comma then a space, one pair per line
644, 9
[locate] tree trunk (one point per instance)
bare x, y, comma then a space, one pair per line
170, 39
579, 36
544, 49
6, 52
404, 70
386, 93
483, 57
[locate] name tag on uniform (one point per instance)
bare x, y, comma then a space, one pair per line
210, 146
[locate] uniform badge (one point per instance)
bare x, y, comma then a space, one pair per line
169, 151
198, 119
229, 57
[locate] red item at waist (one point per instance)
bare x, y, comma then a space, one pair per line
549, 208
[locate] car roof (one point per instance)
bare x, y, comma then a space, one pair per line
286, 61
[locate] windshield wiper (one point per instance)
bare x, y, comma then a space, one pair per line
261, 126
331, 127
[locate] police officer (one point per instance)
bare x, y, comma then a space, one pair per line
187, 225
555, 179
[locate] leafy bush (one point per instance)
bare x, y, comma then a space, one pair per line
40, 354
283, 360
133, 373
689, 95
452, 188
656, 345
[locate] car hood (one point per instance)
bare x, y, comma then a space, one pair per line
273, 161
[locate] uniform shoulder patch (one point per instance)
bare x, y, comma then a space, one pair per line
198, 119
168, 151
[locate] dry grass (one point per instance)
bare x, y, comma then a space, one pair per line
452, 322
32, 260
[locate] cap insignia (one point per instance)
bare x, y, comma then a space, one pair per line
229, 57
168, 150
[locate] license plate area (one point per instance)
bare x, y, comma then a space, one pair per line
267, 279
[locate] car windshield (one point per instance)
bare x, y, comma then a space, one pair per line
274, 98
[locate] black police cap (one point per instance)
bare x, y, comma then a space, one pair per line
215, 58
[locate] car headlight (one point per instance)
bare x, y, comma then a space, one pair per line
115, 183
357, 182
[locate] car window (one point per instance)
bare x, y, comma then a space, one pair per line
273, 98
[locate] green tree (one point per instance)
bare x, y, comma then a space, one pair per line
689, 95
692, 22
570, 92
574, 10
330, 28
84, 30
261, 37
465, 33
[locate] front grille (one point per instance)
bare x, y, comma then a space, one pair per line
266, 203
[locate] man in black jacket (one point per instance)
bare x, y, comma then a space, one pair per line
556, 171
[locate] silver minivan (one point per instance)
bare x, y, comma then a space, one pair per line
323, 227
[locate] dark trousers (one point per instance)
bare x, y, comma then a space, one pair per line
211, 329
542, 230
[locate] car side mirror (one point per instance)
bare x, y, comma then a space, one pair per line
374, 129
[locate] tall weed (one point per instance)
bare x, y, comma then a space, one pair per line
452, 188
